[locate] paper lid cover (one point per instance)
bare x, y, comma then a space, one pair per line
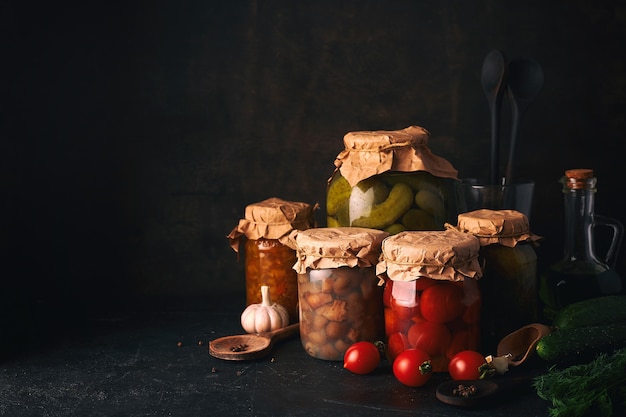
446, 255
333, 247
273, 218
506, 227
368, 153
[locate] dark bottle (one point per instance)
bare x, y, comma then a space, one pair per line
581, 273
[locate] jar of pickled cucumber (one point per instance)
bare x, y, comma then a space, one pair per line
340, 300
509, 282
269, 259
390, 180
431, 295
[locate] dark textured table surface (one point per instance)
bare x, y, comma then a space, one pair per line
131, 364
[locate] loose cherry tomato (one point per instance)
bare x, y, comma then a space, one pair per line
432, 338
442, 303
412, 367
361, 357
466, 365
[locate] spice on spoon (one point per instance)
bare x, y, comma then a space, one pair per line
239, 348
465, 391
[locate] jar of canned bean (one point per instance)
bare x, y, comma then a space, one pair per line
509, 282
340, 299
431, 295
390, 180
269, 259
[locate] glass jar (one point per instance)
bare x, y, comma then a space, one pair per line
389, 180
582, 273
509, 282
340, 300
431, 295
269, 262
269, 259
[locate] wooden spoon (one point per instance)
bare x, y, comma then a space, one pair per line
521, 343
250, 346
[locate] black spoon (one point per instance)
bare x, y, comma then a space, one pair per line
525, 81
493, 80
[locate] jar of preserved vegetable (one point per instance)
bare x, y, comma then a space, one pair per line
509, 282
269, 259
431, 295
340, 300
390, 180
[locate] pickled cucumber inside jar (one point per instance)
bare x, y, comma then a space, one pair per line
392, 201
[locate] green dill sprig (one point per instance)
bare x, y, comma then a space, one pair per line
580, 389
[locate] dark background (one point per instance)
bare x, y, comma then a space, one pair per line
133, 134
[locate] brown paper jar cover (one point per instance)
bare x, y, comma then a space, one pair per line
333, 247
273, 218
505, 227
444, 255
368, 153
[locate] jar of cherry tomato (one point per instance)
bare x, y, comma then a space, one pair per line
269, 259
340, 299
390, 180
509, 282
431, 296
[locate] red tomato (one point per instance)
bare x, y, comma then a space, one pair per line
387, 294
432, 338
361, 357
396, 344
412, 367
472, 313
422, 283
404, 312
404, 299
394, 324
442, 303
466, 364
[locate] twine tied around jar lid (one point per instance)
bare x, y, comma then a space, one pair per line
444, 255
369, 153
333, 247
273, 218
505, 227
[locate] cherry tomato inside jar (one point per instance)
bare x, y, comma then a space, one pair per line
442, 303
438, 317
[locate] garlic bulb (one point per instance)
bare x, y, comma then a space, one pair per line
265, 316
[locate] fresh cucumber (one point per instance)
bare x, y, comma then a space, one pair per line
573, 345
592, 312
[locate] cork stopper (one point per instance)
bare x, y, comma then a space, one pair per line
579, 174
575, 179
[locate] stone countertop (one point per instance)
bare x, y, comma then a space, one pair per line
157, 364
